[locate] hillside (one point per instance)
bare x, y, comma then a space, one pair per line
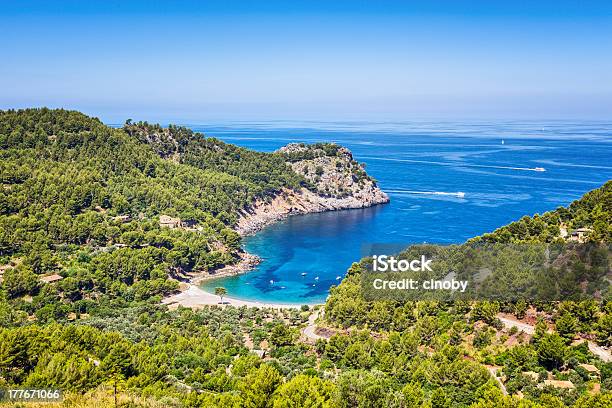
94, 221
346, 306
333, 181
592, 214
539, 353
114, 213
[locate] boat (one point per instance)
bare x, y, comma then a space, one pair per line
539, 169
338, 277
460, 194
316, 278
304, 274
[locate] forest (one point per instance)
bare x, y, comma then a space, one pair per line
556, 350
593, 210
86, 255
84, 201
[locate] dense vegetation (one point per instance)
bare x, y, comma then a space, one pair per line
178, 358
84, 201
473, 333
264, 173
303, 151
593, 210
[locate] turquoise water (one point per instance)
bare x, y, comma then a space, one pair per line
490, 163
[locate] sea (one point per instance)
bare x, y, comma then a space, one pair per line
447, 182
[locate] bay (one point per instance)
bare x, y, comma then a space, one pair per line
422, 166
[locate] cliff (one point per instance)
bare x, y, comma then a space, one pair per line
334, 181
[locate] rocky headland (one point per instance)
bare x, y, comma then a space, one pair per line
333, 181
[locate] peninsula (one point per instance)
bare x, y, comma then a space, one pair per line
161, 205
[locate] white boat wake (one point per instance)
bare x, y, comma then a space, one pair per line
485, 166
459, 194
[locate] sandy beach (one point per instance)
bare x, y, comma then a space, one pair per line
195, 297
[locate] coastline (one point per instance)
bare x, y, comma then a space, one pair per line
337, 173
247, 262
194, 297
252, 221
289, 202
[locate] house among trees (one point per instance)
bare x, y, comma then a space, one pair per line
591, 369
568, 385
532, 374
169, 222
580, 234
122, 218
51, 278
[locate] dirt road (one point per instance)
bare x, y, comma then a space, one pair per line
599, 351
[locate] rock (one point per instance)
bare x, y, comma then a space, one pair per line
335, 181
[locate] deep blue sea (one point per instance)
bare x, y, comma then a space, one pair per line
491, 163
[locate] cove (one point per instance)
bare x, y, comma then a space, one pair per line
422, 167
322, 246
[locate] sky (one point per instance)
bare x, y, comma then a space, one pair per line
196, 62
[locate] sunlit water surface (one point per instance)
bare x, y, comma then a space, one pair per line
492, 164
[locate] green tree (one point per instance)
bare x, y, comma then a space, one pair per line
603, 400
604, 329
281, 335
520, 308
521, 357
20, 281
440, 399
258, 386
551, 350
413, 395
364, 389
117, 366
220, 291
304, 391
485, 311
567, 325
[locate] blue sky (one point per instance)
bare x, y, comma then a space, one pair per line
309, 60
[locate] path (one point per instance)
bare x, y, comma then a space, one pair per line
311, 327
509, 323
493, 371
599, 351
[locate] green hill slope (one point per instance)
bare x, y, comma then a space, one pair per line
84, 200
593, 211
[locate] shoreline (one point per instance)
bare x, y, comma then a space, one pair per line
247, 263
289, 203
195, 297
252, 220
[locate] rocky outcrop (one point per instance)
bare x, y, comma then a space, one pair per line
335, 181
246, 263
